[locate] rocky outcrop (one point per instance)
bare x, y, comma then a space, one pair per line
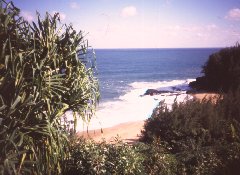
155, 92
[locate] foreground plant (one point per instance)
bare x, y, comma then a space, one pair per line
89, 157
202, 137
46, 69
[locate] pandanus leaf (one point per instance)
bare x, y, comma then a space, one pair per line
50, 76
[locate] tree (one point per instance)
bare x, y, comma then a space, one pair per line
221, 71
46, 69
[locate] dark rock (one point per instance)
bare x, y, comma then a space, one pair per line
155, 92
151, 92
176, 89
200, 84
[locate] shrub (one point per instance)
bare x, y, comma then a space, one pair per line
89, 157
203, 137
182, 127
157, 159
45, 71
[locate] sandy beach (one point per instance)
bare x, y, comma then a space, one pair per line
128, 132
201, 96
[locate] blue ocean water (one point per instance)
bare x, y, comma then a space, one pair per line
125, 75
118, 68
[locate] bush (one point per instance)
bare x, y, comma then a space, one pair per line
157, 159
203, 137
182, 127
221, 71
45, 70
89, 157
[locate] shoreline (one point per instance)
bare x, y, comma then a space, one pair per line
129, 132
205, 95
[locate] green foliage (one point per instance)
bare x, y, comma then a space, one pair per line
157, 159
221, 71
203, 137
45, 70
88, 157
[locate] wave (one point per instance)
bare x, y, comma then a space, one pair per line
135, 106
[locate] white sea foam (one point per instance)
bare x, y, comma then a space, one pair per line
134, 106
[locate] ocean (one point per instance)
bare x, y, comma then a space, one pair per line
125, 75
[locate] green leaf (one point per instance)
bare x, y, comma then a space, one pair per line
17, 100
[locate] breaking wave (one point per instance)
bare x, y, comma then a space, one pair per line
135, 106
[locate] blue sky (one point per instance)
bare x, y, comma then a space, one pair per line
146, 23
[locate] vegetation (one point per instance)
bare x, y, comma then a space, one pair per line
88, 157
200, 137
45, 70
203, 137
221, 71
157, 159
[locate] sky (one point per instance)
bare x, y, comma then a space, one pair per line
146, 23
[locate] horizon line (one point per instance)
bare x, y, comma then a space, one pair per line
161, 47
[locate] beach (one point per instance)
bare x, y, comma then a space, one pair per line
125, 75
128, 132
201, 96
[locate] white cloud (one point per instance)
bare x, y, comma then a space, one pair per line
62, 15
183, 28
129, 11
233, 14
211, 27
192, 28
74, 5
236, 34
27, 16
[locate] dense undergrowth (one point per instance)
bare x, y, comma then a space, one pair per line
89, 157
203, 137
